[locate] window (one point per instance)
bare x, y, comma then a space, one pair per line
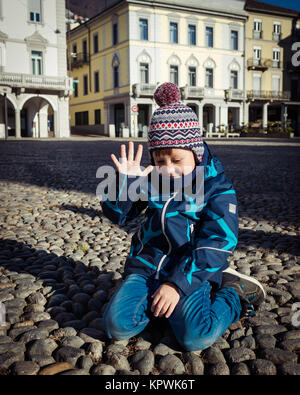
75, 86
143, 29
85, 84
256, 84
174, 74
209, 78
96, 81
97, 117
233, 79
115, 34
173, 33
81, 118
257, 29
34, 10
276, 58
116, 76
256, 56
144, 73
209, 32
275, 84
74, 51
234, 40
192, 35
276, 31
192, 76
37, 62
96, 43
84, 50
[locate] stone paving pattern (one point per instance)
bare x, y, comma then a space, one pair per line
61, 260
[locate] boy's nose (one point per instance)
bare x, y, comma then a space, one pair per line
171, 171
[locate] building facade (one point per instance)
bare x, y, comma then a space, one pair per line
120, 56
34, 85
272, 83
231, 61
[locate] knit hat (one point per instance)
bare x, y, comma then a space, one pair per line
173, 124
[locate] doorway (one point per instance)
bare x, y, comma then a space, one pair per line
143, 119
119, 118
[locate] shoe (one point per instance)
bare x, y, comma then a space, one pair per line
250, 291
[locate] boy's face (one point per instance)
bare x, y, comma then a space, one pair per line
176, 163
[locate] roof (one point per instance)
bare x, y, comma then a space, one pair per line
258, 6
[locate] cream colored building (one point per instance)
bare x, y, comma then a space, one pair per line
272, 83
120, 56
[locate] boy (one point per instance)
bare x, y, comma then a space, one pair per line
177, 267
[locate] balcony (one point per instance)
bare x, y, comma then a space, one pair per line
40, 82
192, 92
268, 95
143, 90
277, 64
259, 64
77, 60
276, 36
257, 34
234, 94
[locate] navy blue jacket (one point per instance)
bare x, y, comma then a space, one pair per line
182, 241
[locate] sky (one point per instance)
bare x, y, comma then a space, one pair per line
292, 4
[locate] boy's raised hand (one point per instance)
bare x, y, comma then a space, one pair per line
131, 166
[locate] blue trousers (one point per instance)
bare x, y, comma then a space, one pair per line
197, 321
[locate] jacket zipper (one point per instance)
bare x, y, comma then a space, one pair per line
163, 230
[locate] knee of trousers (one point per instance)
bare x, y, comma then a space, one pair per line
115, 327
192, 340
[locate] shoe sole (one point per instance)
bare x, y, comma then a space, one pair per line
248, 278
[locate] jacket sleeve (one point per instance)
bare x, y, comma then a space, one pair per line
117, 205
214, 239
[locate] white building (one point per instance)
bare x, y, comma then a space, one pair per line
34, 85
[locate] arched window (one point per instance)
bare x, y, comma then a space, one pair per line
209, 67
234, 71
192, 69
143, 62
174, 64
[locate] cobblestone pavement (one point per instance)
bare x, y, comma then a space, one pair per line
60, 261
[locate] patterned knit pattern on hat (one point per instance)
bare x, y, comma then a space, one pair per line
174, 125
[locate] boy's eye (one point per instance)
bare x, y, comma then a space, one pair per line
176, 160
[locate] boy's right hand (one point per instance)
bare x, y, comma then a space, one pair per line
131, 166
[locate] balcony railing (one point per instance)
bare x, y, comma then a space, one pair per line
192, 92
257, 34
143, 89
234, 94
268, 95
16, 80
277, 64
259, 64
276, 36
78, 60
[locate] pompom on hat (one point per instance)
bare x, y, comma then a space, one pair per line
173, 124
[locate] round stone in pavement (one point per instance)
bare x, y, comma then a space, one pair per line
170, 364
55, 368
24, 368
262, 367
69, 354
